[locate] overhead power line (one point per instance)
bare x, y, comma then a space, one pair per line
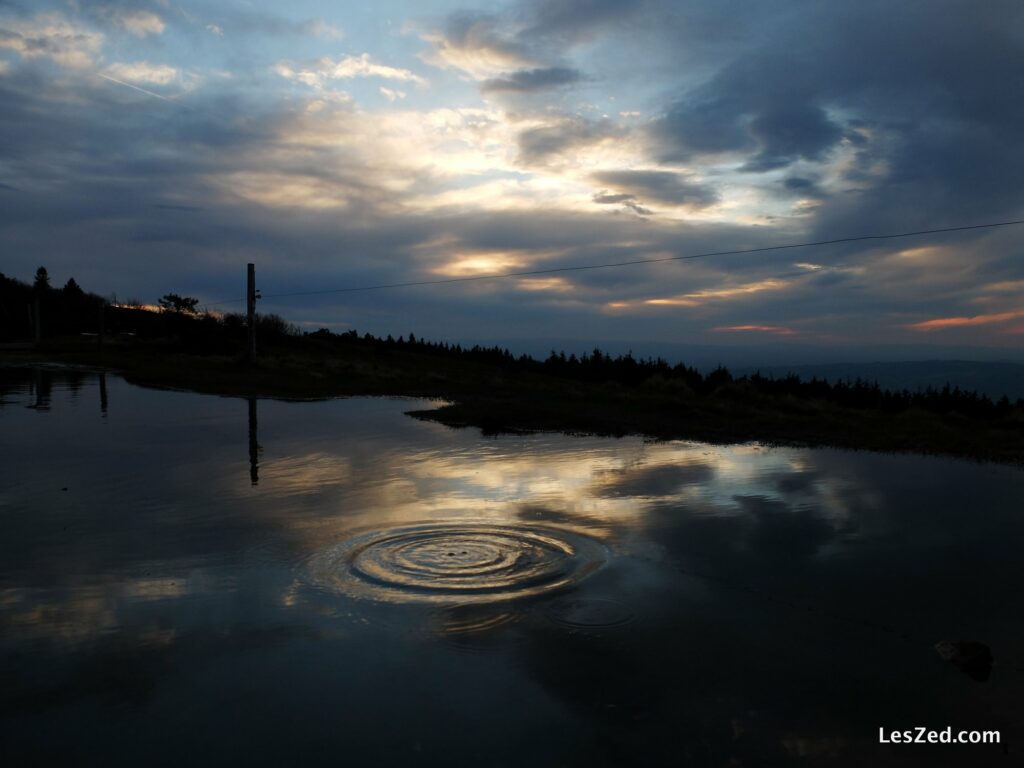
634, 262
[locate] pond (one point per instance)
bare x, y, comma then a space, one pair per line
191, 579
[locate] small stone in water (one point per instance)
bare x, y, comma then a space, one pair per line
973, 658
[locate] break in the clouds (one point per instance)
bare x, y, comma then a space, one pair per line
148, 147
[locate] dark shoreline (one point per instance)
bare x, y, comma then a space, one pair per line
498, 401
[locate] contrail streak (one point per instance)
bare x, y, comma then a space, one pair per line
137, 88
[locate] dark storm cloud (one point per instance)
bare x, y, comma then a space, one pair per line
918, 102
537, 145
627, 201
930, 90
660, 186
531, 80
531, 26
603, 198
798, 183
473, 32
785, 136
716, 120
576, 19
532, 39
185, 208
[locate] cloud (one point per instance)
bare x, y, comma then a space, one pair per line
942, 323
605, 134
51, 36
666, 187
651, 480
531, 80
784, 136
391, 94
138, 23
779, 330
881, 110
476, 44
143, 72
326, 30
527, 36
542, 143
702, 297
215, 29
347, 67
575, 21
523, 49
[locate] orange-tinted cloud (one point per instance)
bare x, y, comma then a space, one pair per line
780, 330
941, 323
697, 298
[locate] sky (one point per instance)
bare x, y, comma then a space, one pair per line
155, 147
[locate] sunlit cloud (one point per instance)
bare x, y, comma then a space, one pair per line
474, 46
1004, 286
468, 265
778, 330
325, 69
390, 94
698, 298
545, 128
552, 284
52, 36
942, 323
143, 72
138, 23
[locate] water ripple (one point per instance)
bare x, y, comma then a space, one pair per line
463, 563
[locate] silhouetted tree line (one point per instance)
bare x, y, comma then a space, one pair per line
61, 310
70, 311
597, 367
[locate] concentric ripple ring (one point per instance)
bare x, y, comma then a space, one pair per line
459, 562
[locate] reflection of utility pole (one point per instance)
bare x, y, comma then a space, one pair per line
250, 304
103, 394
254, 446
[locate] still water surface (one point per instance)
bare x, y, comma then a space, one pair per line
194, 580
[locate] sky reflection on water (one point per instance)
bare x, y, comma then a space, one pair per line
161, 601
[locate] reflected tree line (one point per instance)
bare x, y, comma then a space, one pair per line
39, 385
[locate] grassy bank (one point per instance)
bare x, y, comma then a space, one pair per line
515, 397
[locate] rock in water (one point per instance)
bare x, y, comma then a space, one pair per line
973, 658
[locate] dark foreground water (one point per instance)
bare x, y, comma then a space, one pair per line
194, 580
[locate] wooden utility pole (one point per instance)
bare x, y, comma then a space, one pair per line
250, 302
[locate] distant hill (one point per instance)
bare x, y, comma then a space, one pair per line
994, 379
